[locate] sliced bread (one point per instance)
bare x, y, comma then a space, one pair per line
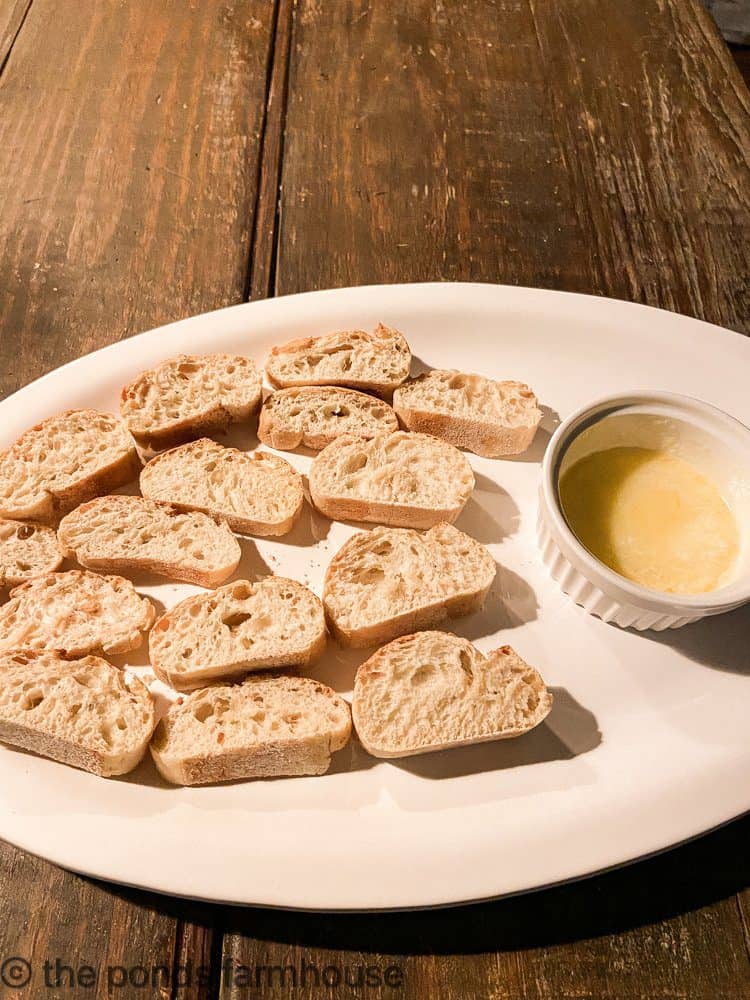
316, 415
64, 461
377, 361
256, 493
75, 613
432, 690
188, 396
266, 727
83, 712
390, 581
26, 550
237, 629
470, 411
401, 479
121, 533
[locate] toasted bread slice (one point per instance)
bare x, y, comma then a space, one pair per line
83, 712
266, 727
64, 461
390, 581
189, 396
122, 533
316, 415
401, 479
237, 629
470, 411
256, 493
75, 613
432, 690
376, 362
26, 550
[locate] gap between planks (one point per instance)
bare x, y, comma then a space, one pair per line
261, 270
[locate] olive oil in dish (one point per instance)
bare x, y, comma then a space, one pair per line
651, 517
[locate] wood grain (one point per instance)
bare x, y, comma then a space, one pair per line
129, 156
161, 160
560, 145
128, 194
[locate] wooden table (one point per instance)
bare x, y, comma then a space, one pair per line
167, 157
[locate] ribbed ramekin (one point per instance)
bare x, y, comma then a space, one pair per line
714, 438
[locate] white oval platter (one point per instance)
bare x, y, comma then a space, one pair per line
648, 742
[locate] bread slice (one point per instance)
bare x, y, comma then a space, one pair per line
75, 613
83, 712
470, 411
266, 727
188, 396
26, 550
390, 581
316, 415
64, 461
256, 493
237, 629
432, 690
122, 533
377, 361
402, 479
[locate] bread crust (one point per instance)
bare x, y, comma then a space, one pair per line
216, 414
39, 740
472, 661
285, 435
206, 576
238, 600
425, 615
338, 506
91, 588
288, 479
272, 758
382, 338
57, 501
482, 435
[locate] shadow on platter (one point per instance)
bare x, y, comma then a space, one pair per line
721, 641
252, 565
490, 519
510, 603
548, 426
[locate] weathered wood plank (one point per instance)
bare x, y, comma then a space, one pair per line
129, 142
653, 120
451, 141
128, 168
12, 14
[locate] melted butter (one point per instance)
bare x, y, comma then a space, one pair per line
652, 517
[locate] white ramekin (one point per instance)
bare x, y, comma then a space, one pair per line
715, 443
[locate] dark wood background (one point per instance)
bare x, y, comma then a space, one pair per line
164, 157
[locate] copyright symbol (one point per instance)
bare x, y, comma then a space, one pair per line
15, 972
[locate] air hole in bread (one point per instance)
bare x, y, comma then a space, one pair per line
241, 592
422, 674
187, 651
25, 531
369, 574
465, 664
355, 463
33, 699
74, 710
82, 679
457, 382
236, 619
121, 723
203, 711
187, 368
